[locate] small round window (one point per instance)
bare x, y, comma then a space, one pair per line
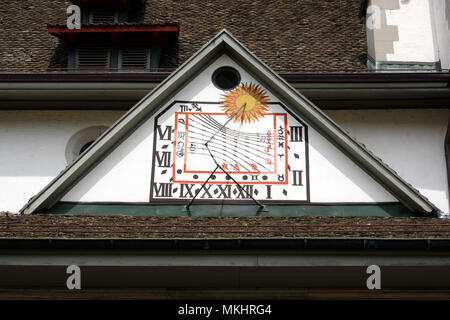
226, 78
81, 140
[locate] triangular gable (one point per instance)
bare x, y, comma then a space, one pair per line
300, 111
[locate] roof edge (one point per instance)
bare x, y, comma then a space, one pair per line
292, 77
221, 244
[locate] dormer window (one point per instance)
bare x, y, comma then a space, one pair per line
106, 43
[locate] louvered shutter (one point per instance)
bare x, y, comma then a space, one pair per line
135, 58
93, 57
103, 15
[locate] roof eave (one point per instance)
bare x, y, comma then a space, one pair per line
291, 77
221, 244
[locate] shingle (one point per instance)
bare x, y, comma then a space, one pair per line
72, 226
288, 35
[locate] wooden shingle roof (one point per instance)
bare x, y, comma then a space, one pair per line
148, 227
289, 36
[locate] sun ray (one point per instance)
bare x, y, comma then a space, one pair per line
255, 99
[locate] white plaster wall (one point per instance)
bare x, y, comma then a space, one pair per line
415, 32
410, 141
32, 149
441, 19
124, 176
336, 179
32, 146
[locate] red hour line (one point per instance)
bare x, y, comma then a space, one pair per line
286, 149
275, 140
186, 122
240, 172
221, 172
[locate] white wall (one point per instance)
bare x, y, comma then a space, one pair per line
32, 146
404, 31
32, 149
441, 19
410, 141
415, 32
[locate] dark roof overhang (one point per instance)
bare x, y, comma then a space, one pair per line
291, 77
327, 90
242, 244
116, 33
368, 77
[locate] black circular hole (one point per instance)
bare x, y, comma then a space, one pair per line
86, 145
226, 78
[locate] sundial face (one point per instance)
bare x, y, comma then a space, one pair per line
261, 148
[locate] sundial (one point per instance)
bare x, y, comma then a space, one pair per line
240, 148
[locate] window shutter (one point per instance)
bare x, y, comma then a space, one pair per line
103, 15
93, 57
135, 58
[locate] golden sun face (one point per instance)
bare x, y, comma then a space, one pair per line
255, 100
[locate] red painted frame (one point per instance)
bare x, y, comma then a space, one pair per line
57, 30
231, 172
116, 33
